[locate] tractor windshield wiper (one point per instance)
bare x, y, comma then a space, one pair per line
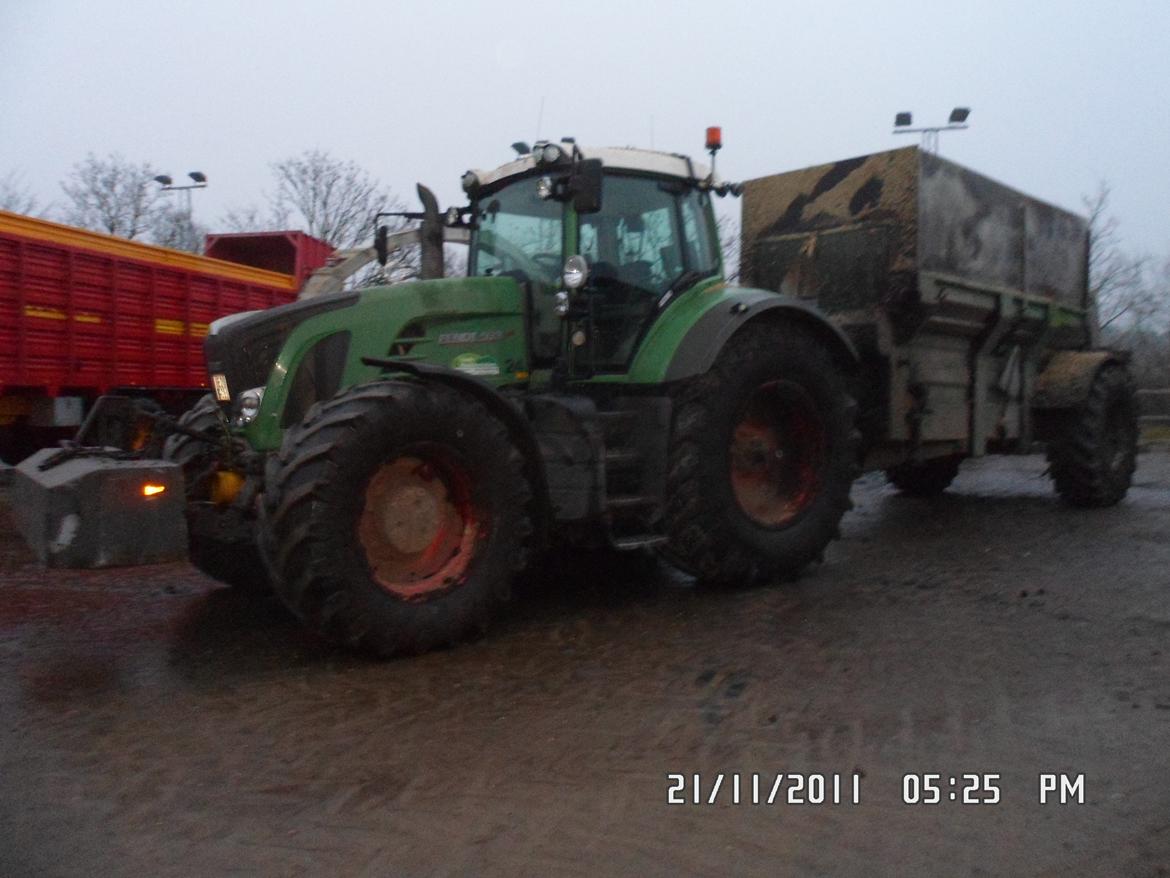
681, 282
684, 280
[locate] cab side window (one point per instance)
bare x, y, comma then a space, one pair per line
698, 239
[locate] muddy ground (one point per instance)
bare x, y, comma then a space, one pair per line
153, 723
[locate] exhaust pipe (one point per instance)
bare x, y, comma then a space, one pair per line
431, 237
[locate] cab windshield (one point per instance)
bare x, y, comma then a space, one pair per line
518, 235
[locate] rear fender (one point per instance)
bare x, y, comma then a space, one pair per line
702, 343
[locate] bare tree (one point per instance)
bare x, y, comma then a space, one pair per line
253, 219
1115, 276
1131, 293
334, 200
111, 195
174, 227
455, 260
15, 196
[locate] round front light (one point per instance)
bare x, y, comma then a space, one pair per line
250, 404
470, 182
551, 153
576, 272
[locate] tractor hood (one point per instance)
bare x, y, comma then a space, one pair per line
243, 347
309, 350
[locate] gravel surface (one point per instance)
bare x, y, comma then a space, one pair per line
154, 723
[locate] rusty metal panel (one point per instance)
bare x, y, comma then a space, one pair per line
1057, 258
838, 232
974, 228
857, 233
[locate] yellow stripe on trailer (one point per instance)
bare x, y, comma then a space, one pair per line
58, 314
178, 327
162, 325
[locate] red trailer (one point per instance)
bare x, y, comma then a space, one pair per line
82, 314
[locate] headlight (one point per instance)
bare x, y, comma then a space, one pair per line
249, 405
470, 182
576, 272
546, 153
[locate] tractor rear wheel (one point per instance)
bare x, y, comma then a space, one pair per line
221, 540
396, 517
1092, 464
763, 455
927, 478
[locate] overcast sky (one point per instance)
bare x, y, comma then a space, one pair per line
1063, 94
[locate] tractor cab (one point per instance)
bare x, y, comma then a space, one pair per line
639, 223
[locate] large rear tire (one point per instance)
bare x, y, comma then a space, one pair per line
1093, 463
763, 455
397, 515
221, 540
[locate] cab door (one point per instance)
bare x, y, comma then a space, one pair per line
650, 241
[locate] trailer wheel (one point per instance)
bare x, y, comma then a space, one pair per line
763, 455
397, 517
221, 541
927, 478
1093, 463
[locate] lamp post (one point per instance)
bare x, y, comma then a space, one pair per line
955, 122
199, 181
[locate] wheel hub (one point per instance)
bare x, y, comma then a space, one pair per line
411, 518
777, 454
418, 527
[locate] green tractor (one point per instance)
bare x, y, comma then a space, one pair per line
395, 456
388, 460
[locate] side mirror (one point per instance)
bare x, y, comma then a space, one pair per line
585, 186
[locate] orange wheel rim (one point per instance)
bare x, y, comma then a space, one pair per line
777, 454
418, 526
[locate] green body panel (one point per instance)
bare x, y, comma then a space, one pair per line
658, 347
472, 324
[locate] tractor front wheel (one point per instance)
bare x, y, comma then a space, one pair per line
397, 516
763, 455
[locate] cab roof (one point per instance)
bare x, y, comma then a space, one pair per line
623, 158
